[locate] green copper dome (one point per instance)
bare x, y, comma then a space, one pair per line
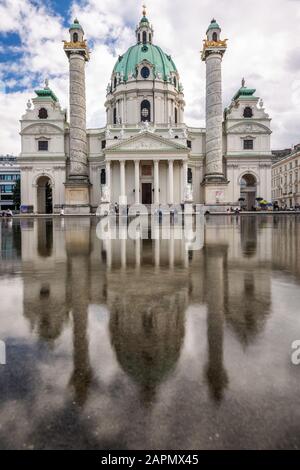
75, 25
162, 63
213, 25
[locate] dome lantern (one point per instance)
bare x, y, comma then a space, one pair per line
144, 31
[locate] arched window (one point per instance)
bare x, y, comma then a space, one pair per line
43, 113
139, 37
103, 176
145, 111
144, 37
150, 37
115, 82
75, 37
215, 37
115, 116
176, 115
248, 113
175, 82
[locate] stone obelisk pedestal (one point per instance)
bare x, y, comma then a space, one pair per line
214, 182
77, 186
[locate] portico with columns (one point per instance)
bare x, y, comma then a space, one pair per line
146, 169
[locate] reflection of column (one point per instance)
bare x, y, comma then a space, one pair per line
78, 247
137, 181
108, 180
157, 251
185, 254
171, 248
138, 252
122, 182
215, 274
156, 182
171, 187
108, 253
123, 253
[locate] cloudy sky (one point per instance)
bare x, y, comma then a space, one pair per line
263, 46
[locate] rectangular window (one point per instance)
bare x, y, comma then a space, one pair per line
248, 144
103, 144
7, 177
43, 145
189, 144
7, 188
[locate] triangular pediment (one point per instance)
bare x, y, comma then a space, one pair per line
146, 142
248, 127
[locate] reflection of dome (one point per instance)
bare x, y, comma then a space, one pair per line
162, 63
147, 327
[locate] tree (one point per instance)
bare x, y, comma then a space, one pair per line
17, 195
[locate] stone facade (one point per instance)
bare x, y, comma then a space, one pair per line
145, 153
286, 179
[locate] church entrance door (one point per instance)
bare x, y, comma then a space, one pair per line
146, 193
44, 195
248, 191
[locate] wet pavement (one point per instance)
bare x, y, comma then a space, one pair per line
148, 343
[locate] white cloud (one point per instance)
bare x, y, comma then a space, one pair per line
262, 47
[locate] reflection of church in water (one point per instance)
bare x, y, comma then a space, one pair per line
147, 287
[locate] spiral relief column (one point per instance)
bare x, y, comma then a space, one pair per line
78, 144
77, 184
214, 114
212, 53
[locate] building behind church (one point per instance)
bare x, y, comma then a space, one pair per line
146, 153
286, 177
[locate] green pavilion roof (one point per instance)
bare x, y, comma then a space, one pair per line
46, 93
244, 91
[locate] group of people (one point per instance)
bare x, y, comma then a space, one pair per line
6, 213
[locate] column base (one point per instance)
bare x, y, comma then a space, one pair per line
215, 178
215, 192
77, 197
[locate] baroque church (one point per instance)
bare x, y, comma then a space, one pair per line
146, 153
